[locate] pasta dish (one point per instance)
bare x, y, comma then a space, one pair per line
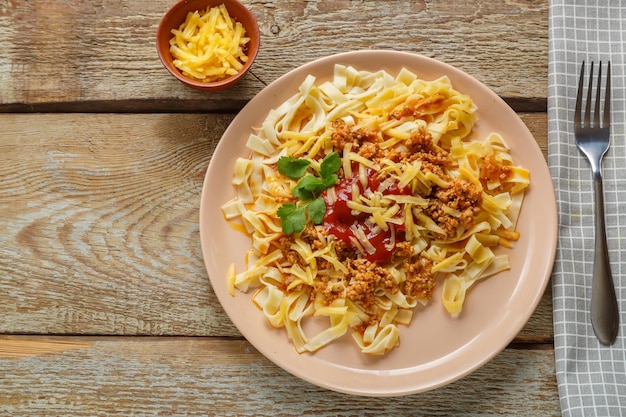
361, 195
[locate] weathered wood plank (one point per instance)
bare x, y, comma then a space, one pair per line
209, 376
99, 225
101, 55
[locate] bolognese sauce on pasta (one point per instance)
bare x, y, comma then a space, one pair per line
361, 195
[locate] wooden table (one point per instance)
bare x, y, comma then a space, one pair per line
105, 304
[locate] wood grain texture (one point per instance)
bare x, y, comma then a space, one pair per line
99, 225
221, 377
23, 347
101, 213
105, 56
105, 304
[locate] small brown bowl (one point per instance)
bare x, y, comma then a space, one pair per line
177, 15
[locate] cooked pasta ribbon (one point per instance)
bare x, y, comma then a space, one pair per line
418, 200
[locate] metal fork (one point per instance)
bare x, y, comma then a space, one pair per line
593, 141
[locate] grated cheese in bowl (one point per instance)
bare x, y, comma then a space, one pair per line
209, 45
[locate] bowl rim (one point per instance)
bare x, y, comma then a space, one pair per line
235, 9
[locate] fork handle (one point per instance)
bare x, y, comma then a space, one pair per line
604, 309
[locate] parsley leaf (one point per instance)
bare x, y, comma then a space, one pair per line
308, 189
330, 181
292, 167
292, 218
286, 209
316, 210
330, 165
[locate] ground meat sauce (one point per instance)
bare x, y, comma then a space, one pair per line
462, 196
367, 274
340, 221
492, 170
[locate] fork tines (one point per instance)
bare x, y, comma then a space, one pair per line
607, 99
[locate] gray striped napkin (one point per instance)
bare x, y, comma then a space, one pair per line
591, 376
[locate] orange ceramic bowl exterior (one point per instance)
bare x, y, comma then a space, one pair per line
177, 15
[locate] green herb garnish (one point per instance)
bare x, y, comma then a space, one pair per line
294, 216
292, 167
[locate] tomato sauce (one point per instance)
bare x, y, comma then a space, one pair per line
339, 220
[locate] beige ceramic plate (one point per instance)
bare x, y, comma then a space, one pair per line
435, 349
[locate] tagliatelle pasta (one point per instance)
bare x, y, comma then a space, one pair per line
361, 195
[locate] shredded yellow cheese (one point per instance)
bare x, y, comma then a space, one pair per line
209, 45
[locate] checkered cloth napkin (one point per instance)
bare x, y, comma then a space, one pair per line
591, 377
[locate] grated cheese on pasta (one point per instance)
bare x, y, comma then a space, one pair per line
409, 172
